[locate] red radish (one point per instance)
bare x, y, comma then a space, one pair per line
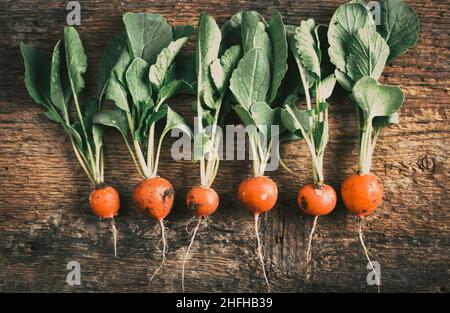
316, 200
204, 202
105, 203
258, 195
154, 197
362, 193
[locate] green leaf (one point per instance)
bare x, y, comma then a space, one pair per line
399, 26
294, 119
117, 92
368, 54
137, 81
375, 99
347, 19
181, 31
289, 88
383, 121
148, 118
113, 118
343, 79
109, 59
263, 114
265, 117
250, 80
89, 108
244, 115
254, 34
54, 116
327, 87
75, 58
320, 136
221, 69
206, 51
74, 133
302, 71
116, 89
308, 47
174, 120
232, 29
121, 66
59, 84
158, 115
280, 53
97, 136
165, 59
173, 88
37, 74
148, 34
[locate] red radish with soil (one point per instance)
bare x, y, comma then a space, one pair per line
213, 75
142, 81
56, 84
351, 29
309, 48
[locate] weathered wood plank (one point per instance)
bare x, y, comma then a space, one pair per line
45, 221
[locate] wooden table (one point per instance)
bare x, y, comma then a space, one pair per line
45, 221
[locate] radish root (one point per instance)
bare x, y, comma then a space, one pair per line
114, 235
311, 234
361, 238
260, 252
164, 250
188, 249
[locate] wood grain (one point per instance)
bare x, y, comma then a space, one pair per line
45, 221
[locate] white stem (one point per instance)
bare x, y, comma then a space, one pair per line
158, 152
82, 163
140, 155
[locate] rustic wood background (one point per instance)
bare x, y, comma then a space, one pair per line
45, 221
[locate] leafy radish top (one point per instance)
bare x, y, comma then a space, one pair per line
256, 81
360, 49
139, 73
213, 76
309, 49
57, 83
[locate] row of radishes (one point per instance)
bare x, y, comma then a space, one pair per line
259, 69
